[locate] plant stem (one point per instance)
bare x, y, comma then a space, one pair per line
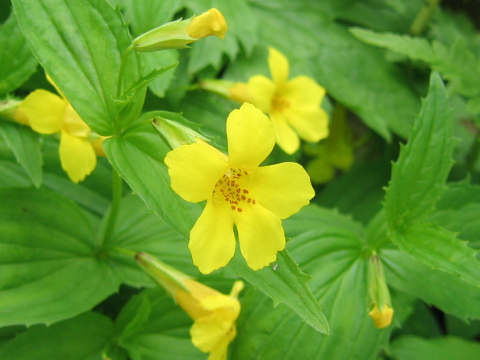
423, 18
117, 191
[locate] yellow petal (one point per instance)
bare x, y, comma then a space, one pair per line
282, 188
212, 242
278, 65
311, 125
194, 170
50, 80
45, 111
73, 124
303, 91
286, 138
208, 331
250, 137
76, 156
261, 90
219, 352
228, 306
381, 318
260, 234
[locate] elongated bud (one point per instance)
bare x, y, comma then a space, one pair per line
166, 276
10, 110
175, 133
178, 34
382, 312
236, 91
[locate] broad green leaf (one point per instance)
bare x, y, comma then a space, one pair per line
419, 175
422, 322
151, 326
435, 287
456, 62
138, 158
439, 249
210, 51
80, 44
48, 258
156, 60
328, 246
13, 175
457, 327
326, 51
442, 348
17, 63
25, 144
81, 338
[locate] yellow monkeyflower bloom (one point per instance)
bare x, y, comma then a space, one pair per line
381, 317
214, 313
238, 192
48, 113
293, 105
178, 34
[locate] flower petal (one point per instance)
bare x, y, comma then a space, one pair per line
73, 123
212, 242
209, 331
260, 234
76, 156
311, 125
286, 138
302, 92
261, 90
194, 170
250, 137
278, 65
283, 188
45, 111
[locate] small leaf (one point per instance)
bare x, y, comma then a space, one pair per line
419, 175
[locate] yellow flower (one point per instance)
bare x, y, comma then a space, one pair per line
238, 192
178, 34
48, 113
214, 313
381, 317
293, 106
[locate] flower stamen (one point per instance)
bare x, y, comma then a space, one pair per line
231, 186
279, 103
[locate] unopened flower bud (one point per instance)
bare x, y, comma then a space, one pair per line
236, 91
382, 311
175, 133
178, 34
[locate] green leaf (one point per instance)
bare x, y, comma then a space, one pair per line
408, 274
138, 157
328, 246
444, 348
154, 60
419, 175
48, 259
164, 330
210, 51
439, 249
80, 338
17, 63
80, 44
25, 144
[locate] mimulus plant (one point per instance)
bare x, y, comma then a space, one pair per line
238, 192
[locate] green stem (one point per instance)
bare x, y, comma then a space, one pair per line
124, 251
122, 70
423, 18
117, 191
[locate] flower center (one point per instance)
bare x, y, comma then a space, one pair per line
278, 103
231, 188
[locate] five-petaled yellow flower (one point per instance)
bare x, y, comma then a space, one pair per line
293, 106
48, 113
214, 313
238, 192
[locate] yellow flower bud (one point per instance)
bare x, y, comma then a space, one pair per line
175, 133
178, 34
381, 318
236, 91
209, 23
10, 110
382, 312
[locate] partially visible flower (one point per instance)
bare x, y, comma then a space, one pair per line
214, 313
238, 192
293, 105
236, 91
334, 152
174, 132
48, 113
382, 311
178, 34
10, 110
